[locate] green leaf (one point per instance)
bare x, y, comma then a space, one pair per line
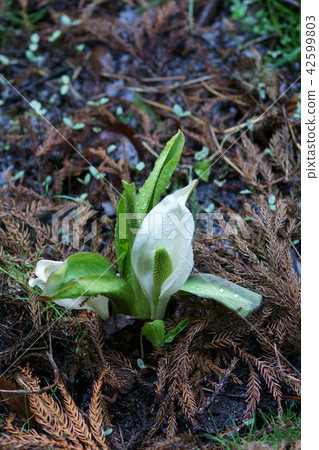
171, 334
202, 169
121, 242
125, 229
202, 154
77, 266
63, 90
54, 36
178, 110
35, 38
65, 79
117, 289
140, 166
141, 363
139, 102
159, 179
108, 432
66, 20
78, 126
272, 199
123, 236
154, 332
238, 299
68, 122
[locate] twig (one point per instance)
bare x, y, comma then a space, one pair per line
222, 96
149, 149
220, 386
20, 381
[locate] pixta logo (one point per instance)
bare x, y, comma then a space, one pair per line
68, 225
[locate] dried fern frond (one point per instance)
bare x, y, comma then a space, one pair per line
63, 423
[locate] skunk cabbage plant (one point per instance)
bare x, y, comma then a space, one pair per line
153, 240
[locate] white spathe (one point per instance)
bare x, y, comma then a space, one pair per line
44, 268
97, 303
169, 224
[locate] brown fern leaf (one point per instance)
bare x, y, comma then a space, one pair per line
96, 418
64, 422
282, 150
20, 438
48, 412
252, 393
267, 372
118, 369
176, 380
77, 421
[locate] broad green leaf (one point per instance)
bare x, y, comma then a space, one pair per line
154, 332
171, 334
159, 179
123, 237
121, 243
130, 208
241, 300
117, 289
77, 266
126, 227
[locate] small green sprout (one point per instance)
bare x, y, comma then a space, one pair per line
250, 125
141, 363
97, 130
210, 208
80, 47
119, 111
67, 21
108, 432
46, 184
202, 154
7, 61
100, 102
37, 107
18, 175
54, 36
203, 169
81, 198
4, 60
86, 179
179, 112
95, 173
33, 47
140, 166
271, 202
75, 126
65, 80
111, 148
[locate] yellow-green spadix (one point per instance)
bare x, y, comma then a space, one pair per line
162, 254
